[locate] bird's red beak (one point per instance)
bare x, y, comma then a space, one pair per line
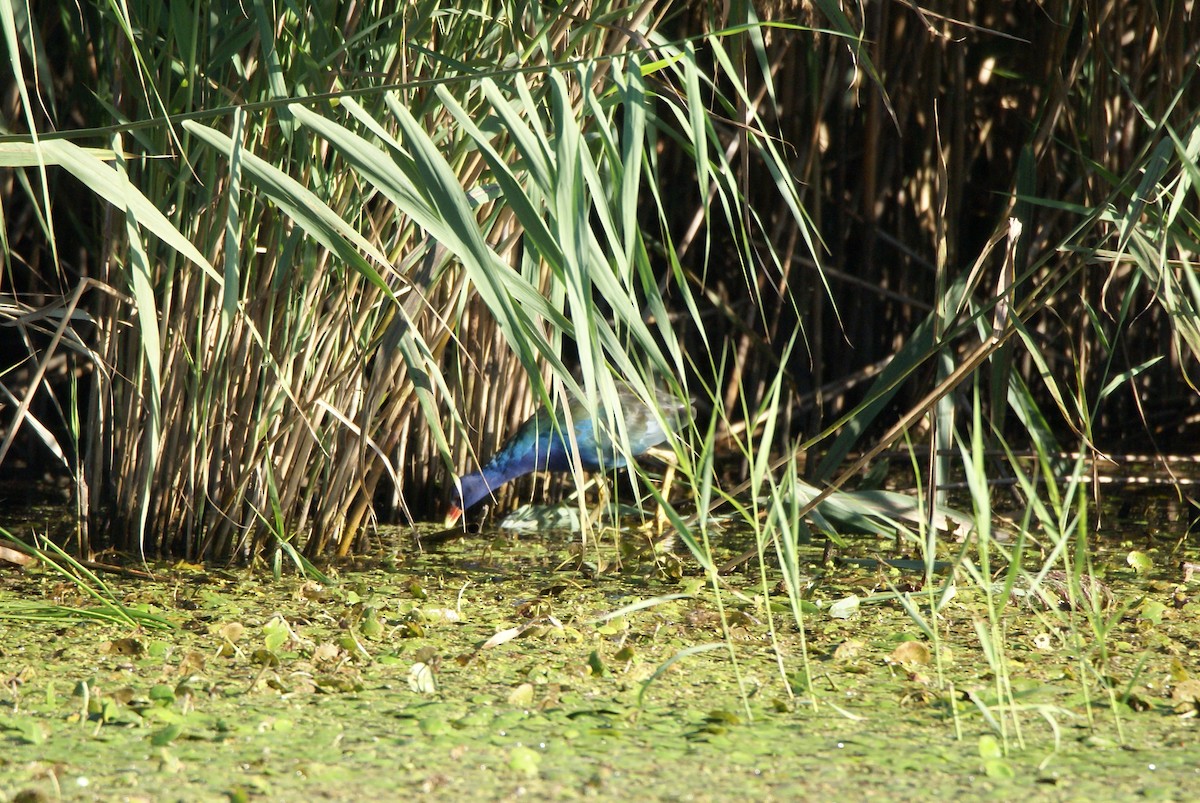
453, 515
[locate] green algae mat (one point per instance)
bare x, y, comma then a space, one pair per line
526, 666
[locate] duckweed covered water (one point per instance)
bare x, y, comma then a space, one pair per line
493, 668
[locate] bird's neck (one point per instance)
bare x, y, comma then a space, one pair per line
478, 485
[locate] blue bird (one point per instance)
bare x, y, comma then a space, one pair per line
538, 445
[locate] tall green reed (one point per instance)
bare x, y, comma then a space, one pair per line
367, 244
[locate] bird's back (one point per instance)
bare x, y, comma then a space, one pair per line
542, 442
598, 432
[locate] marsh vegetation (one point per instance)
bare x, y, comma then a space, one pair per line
275, 276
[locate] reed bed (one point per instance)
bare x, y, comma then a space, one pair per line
269, 280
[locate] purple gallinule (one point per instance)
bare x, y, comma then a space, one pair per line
538, 445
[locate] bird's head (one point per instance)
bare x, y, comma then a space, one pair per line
453, 514
468, 491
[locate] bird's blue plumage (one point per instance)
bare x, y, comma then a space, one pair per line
538, 445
